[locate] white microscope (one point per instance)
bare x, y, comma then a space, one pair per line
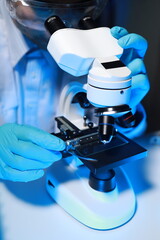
88, 182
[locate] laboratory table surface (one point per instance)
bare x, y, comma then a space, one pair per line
27, 212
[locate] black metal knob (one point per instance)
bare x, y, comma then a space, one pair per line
53, 24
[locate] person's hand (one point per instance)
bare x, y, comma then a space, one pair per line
135, 47
25, 151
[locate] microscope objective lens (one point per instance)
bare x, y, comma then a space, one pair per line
106, 128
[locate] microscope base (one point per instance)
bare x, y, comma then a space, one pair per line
69, 187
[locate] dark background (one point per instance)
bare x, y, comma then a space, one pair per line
142, 17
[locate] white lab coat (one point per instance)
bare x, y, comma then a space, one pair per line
18, 102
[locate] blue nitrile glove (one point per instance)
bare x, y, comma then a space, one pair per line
135, 47
25, 151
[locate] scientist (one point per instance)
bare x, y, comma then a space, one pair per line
30, 82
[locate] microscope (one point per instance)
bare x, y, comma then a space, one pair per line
89, 182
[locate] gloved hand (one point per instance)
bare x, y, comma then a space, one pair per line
25, 151
135, 47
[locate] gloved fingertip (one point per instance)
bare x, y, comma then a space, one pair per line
34, 176
40, 173
57, 156
57, 144
134, 41
52, 157
137, 66
62, 145
122, 42
118, 32
127, 40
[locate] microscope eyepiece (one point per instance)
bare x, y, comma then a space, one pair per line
87, 23
53, 24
